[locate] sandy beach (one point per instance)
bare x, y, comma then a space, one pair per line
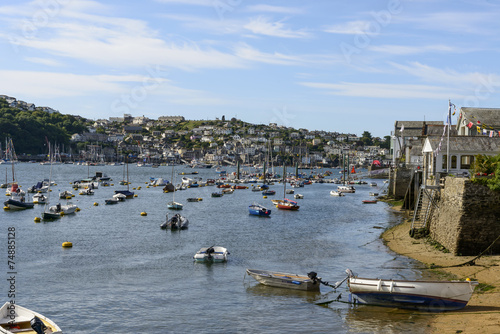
482, 313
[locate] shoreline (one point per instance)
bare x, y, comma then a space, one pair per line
482, 313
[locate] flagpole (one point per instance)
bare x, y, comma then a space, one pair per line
448, 159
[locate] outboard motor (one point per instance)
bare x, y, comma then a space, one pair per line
209, 251
313, 276
38, 325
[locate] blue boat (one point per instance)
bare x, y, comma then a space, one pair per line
258, 210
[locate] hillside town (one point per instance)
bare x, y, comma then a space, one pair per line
173, 139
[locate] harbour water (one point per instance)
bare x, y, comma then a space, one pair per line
126, 275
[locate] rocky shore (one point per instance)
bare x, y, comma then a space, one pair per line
482, 313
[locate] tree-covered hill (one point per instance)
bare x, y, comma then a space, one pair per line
28, 129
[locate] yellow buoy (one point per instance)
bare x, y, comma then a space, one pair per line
96, 204
6, 208
145, 183
61, 213
135, 195
147, 186
67, 244
77, 209
144, 213
112, 184
265, 197
200, 199
467, 279
38, 219
72, 195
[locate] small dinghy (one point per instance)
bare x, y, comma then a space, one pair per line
211, 254
283, 280
421, 295
18, 319
177, 222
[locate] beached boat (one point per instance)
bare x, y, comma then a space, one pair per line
211, 254
177, 222
283, 280
18, 319
336, 193
258, 210
421, 295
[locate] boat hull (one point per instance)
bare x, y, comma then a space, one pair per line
18, 205
284, 280
435, 296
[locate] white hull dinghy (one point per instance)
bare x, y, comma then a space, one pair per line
211, 254
18, 319
434, 296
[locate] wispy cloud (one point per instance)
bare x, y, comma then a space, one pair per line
264, 26
44, 61
379, 90
349, 28
247, 52
411, 50
447, 76
274, 9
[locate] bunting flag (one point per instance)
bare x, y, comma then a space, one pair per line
470, 125
491, 133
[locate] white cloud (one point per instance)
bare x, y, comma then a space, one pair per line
448, 76
403, 50
264, 26
350, 28
44, 61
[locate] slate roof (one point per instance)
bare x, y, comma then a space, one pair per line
487, 116
412, 128
478, 144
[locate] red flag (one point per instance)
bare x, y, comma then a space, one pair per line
470, 125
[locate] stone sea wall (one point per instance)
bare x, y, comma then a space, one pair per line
468, 218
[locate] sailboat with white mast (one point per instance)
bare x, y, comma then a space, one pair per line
173, 205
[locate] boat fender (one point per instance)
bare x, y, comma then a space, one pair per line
38, 325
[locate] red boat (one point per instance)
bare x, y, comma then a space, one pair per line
286, 204
224, 186
368, 201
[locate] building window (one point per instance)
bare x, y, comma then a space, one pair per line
445, 162
453, 162
466, 161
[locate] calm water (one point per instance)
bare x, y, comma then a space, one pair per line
126, 275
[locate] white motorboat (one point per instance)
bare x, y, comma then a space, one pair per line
346, 189
64, 209
39, 198
211, 254
422, 295
336, 193
18, 319
283, 280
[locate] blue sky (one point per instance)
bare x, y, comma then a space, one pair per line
321, 65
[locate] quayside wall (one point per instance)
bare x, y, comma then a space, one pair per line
467, 219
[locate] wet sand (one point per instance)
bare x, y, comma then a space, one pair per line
482, 313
